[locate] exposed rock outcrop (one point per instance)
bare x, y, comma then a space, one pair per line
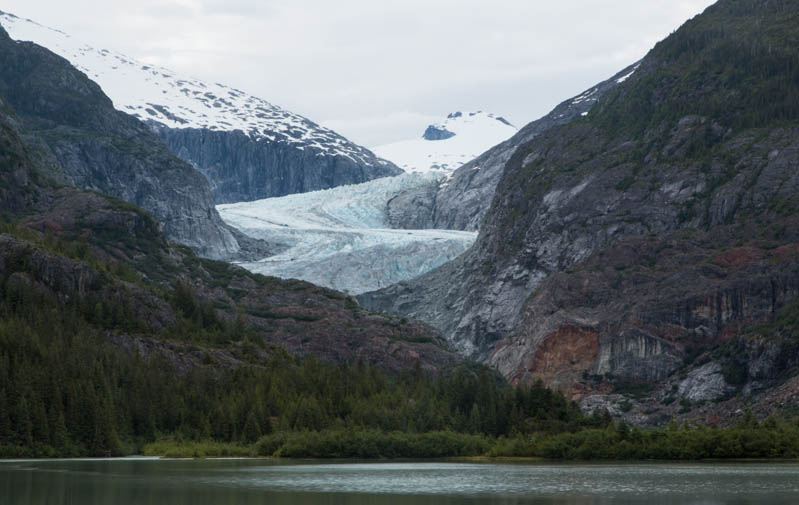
434, 132
241, 168
646, 305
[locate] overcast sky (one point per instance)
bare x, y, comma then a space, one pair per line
380, 70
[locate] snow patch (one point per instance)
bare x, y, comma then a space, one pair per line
585, 97
625, 77
474, 133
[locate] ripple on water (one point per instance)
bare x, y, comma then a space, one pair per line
521, 479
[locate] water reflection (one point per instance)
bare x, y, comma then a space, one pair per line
123, 482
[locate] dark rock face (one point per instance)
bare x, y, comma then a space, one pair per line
18, 182
464, 201
435, 133
241, 168
412, 209
78, 134
561, 284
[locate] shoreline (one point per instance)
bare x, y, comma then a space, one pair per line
454, 459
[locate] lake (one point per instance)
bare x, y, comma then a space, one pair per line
250, 481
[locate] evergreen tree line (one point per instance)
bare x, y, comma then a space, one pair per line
65, 390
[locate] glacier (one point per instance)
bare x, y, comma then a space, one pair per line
348, 238
339, 238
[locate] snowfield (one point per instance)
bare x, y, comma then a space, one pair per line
473, 133
339, 238
155, 93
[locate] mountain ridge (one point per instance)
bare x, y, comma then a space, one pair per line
663, 151
207, 124
86, 142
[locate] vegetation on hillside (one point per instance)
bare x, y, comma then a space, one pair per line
66, 390
737, 64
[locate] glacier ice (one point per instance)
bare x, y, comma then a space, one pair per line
339, 237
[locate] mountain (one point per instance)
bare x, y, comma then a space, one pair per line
644, 255
112, 335
447, 145
461, 201
77, 132
342, 237
246, 147
110, 266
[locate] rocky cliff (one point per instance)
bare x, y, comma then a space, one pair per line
242, 167
702, 136
78, 133
461, 203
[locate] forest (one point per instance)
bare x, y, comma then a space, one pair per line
65, 390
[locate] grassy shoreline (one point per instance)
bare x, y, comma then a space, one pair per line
767, 443
750, 441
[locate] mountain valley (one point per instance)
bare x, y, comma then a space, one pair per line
181, 262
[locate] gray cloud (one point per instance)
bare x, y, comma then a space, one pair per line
379, 70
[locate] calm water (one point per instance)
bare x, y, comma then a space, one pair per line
230, 482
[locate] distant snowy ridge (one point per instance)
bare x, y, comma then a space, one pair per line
447, 145
340, 237
155, 93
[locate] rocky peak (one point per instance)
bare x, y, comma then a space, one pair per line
434, 132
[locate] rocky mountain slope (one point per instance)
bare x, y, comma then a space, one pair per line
86, 142
585, 274
447, 145
247, 148
461, 201
342, 237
